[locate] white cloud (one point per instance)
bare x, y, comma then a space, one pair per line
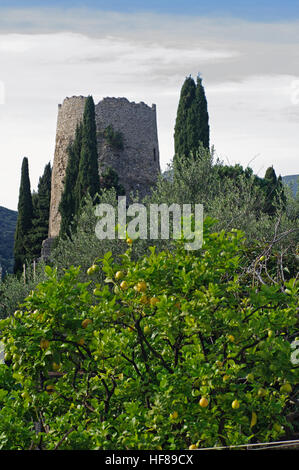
14, 43
261, 128
49, 67
249, 84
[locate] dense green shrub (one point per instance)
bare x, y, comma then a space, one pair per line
14, 289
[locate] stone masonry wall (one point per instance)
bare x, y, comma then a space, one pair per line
69, 114
137, 164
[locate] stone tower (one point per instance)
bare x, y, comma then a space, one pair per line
137, 162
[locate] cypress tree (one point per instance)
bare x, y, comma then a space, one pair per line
69, 204
202, 114
88, 181
192, 121
270, 190
24, 221
183, 124
274, 191
41, 210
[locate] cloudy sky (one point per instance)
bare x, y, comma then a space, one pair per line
247, 54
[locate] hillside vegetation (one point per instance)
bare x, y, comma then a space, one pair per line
292, 182
8, 221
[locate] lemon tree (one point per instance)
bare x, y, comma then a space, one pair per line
173, 353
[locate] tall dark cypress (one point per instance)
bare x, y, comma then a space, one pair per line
274, 193
270, 175
192, 121
202, 114
41, 210
88, 181
24, 222
184, 119
69, 204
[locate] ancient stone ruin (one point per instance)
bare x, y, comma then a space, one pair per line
134, 156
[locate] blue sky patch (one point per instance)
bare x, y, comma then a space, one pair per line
257, 10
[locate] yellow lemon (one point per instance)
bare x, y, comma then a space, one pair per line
154, 301
286, 388
86, 322
124, 285
44, 344
253, 419
146, 330
203, 402
235, 405
141, 286
119, 275
144, 299
261, 392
